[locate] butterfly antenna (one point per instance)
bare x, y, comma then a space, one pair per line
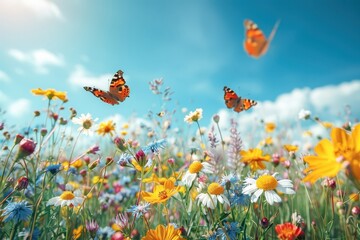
273, 32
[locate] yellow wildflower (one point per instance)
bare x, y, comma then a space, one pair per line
50, 94
161, 193
107, 127
163, 233
332, 156
255, 158
291, 148
77, 232
270, 127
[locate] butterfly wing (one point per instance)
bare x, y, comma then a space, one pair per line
118, 88
230, 97
255, 43
123, 93
104, 96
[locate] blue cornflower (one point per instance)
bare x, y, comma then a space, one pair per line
139, 210
231, 178
53, 169
73, 171
17, 211
231, 229
124, 159
105, 232
236, 196
25, 234
155, 146
212, 236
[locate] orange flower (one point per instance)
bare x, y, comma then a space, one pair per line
163, 233
254, 158
288, 231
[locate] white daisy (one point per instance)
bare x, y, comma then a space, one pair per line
267, 184
215, 194
67, 198
85, 122
194, 168
194, 116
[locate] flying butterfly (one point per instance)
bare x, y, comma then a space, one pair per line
118, 90
255, 43
238, 104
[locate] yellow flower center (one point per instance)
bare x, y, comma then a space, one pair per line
266, 182
87, 124
163, 195
67, 195
215, 189
195, 167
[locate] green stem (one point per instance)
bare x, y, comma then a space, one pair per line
12, 235
6, 162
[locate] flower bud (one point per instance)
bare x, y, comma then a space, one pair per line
355, 211
276, 159
94, 164
43, 132
171, 161
63, 121
216, 118
26, 148
120, 143
264, 222
109, 160
83, 172
141, 158
86, 160
36, 113
22, 183
18, 138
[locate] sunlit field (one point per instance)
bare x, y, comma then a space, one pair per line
174, 120
78, 177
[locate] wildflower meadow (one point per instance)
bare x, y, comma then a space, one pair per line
179, 120
74, 176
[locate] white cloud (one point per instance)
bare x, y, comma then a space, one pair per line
39, 58
19, 108
325, 102
335, 97
81, 77
41, 8
3, 97
4, 77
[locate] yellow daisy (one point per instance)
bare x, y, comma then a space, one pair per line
163, 233
107, 127
270, 127
331, 156
50, 94
255, 158
161, 193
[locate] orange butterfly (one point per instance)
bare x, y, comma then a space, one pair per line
237, 103
255, 43
118, 91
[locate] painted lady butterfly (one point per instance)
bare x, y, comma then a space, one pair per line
118, 91
255, 43
237, 103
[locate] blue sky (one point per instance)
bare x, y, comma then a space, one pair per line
195, 46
